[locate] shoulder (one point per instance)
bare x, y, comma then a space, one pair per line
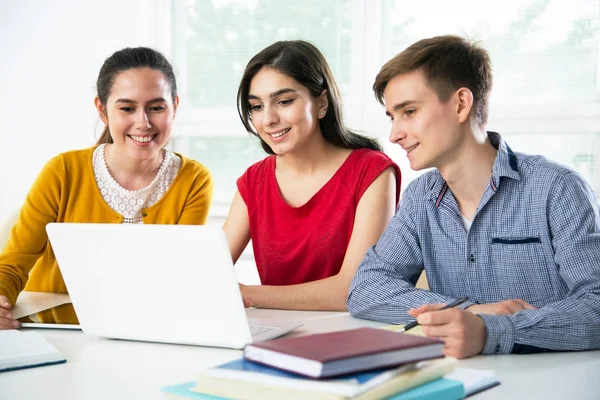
192, 168
258, 171
539, 166
72, 161
260, 167
422, 185
547, 176
370, 157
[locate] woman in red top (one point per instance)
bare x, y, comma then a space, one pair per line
323, 197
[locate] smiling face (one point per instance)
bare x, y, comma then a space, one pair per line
283, 112
429, 130
139, 113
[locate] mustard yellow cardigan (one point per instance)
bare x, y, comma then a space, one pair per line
66, 191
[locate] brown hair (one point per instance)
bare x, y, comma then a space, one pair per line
449, 63
126, 59
304, 63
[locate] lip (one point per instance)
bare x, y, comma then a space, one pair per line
277, 132
143, 144
409, 149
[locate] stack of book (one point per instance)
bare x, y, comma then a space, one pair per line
356, 364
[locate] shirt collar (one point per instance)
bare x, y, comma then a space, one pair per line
504, 165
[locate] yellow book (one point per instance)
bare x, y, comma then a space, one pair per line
252, 386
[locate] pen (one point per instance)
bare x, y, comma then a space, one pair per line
455, 303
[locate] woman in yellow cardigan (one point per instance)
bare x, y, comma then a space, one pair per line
128, 177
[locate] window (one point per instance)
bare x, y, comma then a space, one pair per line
545, 54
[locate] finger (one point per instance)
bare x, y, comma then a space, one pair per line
516, 306
439, 317
424, 308
526, 305
4, 313
8, 323
436, 331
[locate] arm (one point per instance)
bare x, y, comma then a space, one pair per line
197, 205
28, 237
383, 288
237, 227
569, 324
375, 208
574, 322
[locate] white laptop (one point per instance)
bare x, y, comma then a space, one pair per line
158, 283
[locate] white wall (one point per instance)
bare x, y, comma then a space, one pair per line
50, 55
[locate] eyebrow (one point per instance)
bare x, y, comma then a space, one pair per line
400, 106
129, 101
274, 94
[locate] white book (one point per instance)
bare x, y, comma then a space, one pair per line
25, 350
474, 380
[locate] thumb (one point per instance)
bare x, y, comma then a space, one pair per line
424, 308
247, 302
4, 303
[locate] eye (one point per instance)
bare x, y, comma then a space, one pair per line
127, 109
256, 107
410, 112
286, 102
157, 108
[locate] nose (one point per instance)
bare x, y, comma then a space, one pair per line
397, 132
142, 122
270, 116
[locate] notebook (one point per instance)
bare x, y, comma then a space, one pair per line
26, 350
336, 353
158, 283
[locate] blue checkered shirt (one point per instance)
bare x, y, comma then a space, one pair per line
535, 236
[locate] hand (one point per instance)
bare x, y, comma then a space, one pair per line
464, 334
6, 319
246, 300
506, 307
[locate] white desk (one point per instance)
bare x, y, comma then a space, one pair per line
111, 369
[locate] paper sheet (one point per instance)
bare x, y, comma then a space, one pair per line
33, 302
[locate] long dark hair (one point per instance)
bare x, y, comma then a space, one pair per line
126, 59
304, 63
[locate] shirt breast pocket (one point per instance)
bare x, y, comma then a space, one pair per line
521, 268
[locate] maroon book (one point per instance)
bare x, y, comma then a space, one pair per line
338, 353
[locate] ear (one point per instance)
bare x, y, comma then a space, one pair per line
175, 105
101, 110
464, 103
323, 104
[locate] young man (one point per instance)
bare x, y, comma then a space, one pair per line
517, 234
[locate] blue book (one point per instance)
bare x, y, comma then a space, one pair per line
184, 391
396, 379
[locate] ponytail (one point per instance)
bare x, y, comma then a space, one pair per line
105, 137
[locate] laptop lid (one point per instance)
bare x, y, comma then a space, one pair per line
161, 283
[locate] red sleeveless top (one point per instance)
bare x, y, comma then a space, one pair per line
301, 244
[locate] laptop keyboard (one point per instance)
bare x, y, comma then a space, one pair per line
259, 329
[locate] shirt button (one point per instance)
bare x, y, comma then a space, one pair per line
144, 215
472, 258
497, 349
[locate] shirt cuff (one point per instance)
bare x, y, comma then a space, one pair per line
500, 334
